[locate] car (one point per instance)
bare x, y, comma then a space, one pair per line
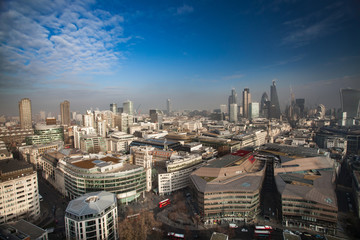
267, 218
244, 230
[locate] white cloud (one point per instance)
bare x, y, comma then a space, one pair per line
41, 39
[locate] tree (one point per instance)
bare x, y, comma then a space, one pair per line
138, 227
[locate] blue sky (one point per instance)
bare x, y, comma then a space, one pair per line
193, 52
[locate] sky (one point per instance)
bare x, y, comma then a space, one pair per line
194, 52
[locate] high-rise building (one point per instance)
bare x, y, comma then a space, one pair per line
274, 110
223, 108
300, 103
233, 112
128, 107
168, 107
232, 99
350, 102
65, 112
246, 102
92, 216
253, 110
25, 113
264, 110
113, 107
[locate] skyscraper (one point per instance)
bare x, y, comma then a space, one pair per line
25, 113
65, 112
350, 102
113, 107
300, 103
246, 101
232, 99
168, 106
233, 112
274, 110
128, 107
264, 111
253, 110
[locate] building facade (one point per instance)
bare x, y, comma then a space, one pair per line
44, 134
19, 191
25, 113
92, 216
65, 113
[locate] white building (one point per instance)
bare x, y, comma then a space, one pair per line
19, 191
81, 131
92, 216
119, 141
88, 119
123, 122
143, 157
178, 170
233, 112
254, 110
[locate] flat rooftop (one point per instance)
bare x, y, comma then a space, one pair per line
11, 168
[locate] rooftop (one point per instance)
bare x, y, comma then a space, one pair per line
91, 203
10, 168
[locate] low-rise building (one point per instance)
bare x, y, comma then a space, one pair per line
119, 142
22, 230
228, 188
44, 134
92, 216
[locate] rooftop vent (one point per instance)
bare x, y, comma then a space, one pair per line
91, 199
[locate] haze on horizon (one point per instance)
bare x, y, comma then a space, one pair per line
94, 53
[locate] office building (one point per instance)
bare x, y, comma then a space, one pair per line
175, 175
274, 111
300, 103
246, 102
92, 216
119, 141
128, 107
25, 113
96, 172
44, 134
350, 102
142, 156
22, 230
89, 119
232, 99
223, 108
19, 191
123, 122
254, 110
168, 107
233, 113
229, 187
65, 113
92, 144
113, 108
264, 106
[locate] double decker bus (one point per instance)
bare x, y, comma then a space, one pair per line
164, 203
262, 234
264, 228
176, 236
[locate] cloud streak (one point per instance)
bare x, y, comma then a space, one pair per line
45, 38
302, 31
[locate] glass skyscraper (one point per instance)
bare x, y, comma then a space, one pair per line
274, 111
350, 102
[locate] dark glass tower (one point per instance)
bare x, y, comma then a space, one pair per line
350, 102
264, 106
232, 98
274, 102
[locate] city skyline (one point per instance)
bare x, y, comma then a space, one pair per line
93, 54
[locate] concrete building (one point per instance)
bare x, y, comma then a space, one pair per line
229, 187
128, 107
119, 141
178, 170
233, 113
113, 108
19, 191
92, 144
25, 113
123, 122
92, 216
168, 107
142, 156
89, 119
232, 99
44, 134
22, 230
65, 113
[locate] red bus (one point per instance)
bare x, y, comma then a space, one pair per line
264, 228
262, 234
176, 236
164, 203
